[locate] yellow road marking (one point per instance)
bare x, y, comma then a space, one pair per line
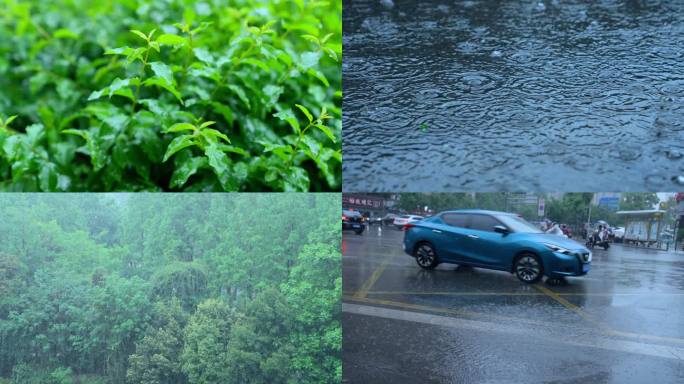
368, 284
605, 327
568, 305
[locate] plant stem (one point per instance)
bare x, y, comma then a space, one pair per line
296, 147
142, 77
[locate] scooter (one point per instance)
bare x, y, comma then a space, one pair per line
595, 241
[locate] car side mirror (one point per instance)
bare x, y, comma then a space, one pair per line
501, 229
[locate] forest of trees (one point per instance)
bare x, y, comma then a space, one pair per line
170, 289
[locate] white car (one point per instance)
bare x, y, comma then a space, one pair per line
619, 234
402, 220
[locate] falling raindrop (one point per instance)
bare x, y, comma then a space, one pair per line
678, 180
496, 54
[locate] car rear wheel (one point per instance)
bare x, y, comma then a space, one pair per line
426, 256
528, 268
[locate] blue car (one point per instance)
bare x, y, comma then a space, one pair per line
494, 240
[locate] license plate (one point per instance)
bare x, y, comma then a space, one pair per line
585, 268
356, 226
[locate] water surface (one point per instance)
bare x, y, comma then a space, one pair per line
513, 95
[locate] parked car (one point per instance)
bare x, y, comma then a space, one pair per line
375, 220
388, 219
352, 220
402, 220
618, 234
494, 240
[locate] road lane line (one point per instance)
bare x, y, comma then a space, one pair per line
572, 307
368, 284
550, 336
447, 311
605, 327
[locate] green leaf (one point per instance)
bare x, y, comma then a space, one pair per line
309, 59
9, 120
11, 146
240, 93
231, 149
163, 71
169, 39
48, 177
204, 56
186, 169
225, 111
326, 38
289, 116
217, 159
64, 33
180, 127
305, 112
296, 180
160, 82
77, 132
326, 130
177, 144
212, 134
319, 76
140, 34
34, 133
330, 53
207, 123
257, 63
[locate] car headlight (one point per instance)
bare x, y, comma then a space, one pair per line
556, 248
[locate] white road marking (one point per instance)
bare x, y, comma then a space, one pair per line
552, 335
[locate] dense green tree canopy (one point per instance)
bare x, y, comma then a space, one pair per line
179, 289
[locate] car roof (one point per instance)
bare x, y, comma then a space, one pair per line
478, 211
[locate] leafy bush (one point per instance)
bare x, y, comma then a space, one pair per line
170, 95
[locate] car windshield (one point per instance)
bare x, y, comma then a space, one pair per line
404, 216
518, 224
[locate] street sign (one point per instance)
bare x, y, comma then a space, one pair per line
540, 207
610, 202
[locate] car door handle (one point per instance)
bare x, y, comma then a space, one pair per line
436, 231
474, 236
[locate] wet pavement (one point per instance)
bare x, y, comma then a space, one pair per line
443, 95
622, 323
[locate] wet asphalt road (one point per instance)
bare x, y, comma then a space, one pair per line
622, 323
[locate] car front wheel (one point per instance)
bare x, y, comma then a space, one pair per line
528, 268
426, 256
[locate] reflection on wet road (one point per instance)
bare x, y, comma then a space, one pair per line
622, 323
513, 95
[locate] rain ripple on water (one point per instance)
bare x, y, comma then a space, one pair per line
565, 96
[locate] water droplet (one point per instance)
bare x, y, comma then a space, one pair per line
541, 6
496, 54
678, 180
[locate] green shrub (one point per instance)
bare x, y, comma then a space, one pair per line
170, 95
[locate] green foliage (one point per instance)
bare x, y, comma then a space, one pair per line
170, 288
181, 95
